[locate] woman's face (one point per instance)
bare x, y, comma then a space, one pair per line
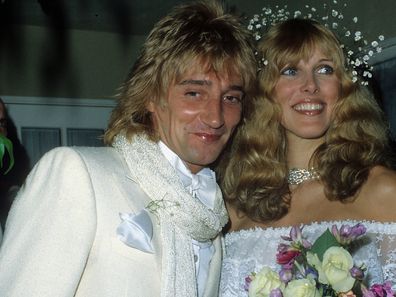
307, 93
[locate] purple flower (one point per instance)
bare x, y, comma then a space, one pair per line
276, 293
248, 280
367, 293
285, 275
296, 238
313, 273
382, 290
295, 234
282, 248
378, 290
357, 273
347, 234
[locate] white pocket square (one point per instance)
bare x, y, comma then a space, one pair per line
136, 230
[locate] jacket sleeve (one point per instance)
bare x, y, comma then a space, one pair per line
50, 229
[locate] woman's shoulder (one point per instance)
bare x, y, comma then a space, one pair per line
379, 193
381, 181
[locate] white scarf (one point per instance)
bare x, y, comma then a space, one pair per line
182, 217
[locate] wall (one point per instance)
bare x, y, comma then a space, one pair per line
89, 64
42, 123
85, 64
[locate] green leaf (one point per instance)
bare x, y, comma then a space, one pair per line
6, 146
324, 241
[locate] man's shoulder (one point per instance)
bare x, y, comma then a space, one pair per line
95, 152
93, 157
100, 157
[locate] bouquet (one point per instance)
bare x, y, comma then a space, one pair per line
324, 268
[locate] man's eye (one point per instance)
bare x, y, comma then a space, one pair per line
232, 99
192, 94
290, 71
325, 69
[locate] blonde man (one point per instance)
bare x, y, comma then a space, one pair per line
140, 218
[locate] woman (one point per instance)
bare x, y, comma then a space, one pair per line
315, 153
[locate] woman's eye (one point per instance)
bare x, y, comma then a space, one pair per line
290, 71
325, 69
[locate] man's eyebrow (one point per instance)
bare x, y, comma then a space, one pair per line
208, 82
237, 88
195, 82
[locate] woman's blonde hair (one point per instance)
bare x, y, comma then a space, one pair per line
254, 179
193, 35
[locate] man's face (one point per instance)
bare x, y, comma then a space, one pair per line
198, 116
3, 120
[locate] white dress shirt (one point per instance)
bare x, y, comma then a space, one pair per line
202, 186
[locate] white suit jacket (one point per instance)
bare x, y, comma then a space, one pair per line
60, 238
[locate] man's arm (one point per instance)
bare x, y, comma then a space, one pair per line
50, 229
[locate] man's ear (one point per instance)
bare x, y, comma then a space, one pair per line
151, 106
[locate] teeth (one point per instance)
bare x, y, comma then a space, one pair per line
308, 106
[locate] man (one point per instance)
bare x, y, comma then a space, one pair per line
3, 131
141, 218
3, 119
6, 183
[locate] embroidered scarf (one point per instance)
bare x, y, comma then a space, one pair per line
181, 217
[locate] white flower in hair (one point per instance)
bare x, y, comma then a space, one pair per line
359, 50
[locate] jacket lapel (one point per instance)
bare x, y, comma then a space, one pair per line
212, 285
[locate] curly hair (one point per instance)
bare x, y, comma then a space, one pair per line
254, 180
191, 35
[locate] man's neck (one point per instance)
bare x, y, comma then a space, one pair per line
173, 158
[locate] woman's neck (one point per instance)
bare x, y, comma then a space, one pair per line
300, 151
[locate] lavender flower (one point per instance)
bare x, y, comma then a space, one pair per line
346, 234
276, 293
357, 273
248, 280
296, 238
285, 275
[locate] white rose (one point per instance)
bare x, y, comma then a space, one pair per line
264, 282
301, 288
337, 263
314, 261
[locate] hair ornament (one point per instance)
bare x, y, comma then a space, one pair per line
357, 48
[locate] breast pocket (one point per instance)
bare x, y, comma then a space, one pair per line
121, 249
136, 269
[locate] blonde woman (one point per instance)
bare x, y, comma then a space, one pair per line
315, 153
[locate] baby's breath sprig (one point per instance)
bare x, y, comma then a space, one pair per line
155, 206
357, 48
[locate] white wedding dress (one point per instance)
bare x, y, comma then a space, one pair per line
247, 251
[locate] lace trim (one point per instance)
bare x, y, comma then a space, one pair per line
249, 250
269, 232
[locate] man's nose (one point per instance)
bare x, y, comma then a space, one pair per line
212, 115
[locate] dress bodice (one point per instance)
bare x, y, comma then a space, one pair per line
247, 251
